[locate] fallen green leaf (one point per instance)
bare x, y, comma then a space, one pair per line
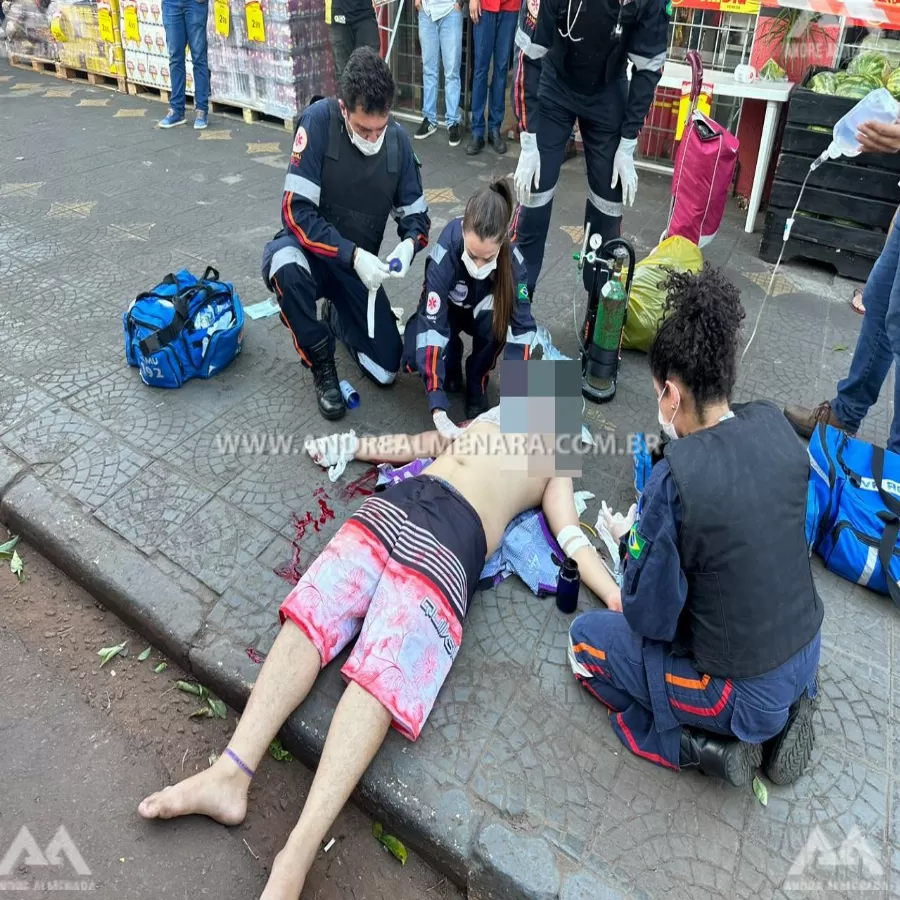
145, 654
107, 653
161, 668
278, 752
15, 566
761, 791
204, 712
838, 348
218, 707
388, 840
190, 687
9, 546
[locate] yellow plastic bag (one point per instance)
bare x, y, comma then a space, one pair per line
648, 291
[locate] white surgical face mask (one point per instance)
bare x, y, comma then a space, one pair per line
667, 427
367, 148
479, 274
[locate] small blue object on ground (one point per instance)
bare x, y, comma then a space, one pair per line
172, 119
201, 121
351, 397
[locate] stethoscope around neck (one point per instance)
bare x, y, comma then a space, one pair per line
571, 20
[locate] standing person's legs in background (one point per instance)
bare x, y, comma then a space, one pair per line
176, 38
877, 346
450, 32
366, 33
431, 59
531, 222
195, 16
504, 35
341, 48
483, 38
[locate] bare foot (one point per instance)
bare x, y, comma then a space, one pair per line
289, 873
220, 793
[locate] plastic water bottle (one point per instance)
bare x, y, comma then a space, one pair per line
567, 587
877, 106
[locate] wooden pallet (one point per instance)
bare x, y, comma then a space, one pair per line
95, 79
150, 91
44, 66
250, 116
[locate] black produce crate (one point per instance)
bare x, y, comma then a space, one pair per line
801, 141
874, 214
806, 107
851, 251
840, 175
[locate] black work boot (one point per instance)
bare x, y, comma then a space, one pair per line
731, 760
787, 755
475, 406
495, 139
453, 382
325, 377
476, 145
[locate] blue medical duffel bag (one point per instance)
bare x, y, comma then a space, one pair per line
184, 328
853, 509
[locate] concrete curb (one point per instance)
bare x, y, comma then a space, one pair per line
438, 820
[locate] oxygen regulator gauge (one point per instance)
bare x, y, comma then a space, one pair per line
596, 241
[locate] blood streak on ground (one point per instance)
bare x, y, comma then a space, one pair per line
293, 571
364, 486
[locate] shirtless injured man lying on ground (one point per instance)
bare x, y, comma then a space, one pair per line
398, 576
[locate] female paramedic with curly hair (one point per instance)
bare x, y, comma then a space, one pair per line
711, 665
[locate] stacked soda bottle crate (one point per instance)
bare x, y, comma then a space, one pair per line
88, 38
269, 56
28, 36
146, 50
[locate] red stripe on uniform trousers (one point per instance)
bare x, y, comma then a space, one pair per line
709, 710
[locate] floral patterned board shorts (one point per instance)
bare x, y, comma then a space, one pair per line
400, 573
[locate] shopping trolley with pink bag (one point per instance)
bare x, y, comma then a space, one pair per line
704, 170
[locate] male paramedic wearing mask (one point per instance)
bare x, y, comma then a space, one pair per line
573, 58
351, 168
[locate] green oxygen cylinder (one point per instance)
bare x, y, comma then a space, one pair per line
611, 314
602, 363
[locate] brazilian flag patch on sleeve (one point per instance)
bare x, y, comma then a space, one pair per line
523, 293
636, 544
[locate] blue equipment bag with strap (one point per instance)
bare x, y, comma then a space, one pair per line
853, 509
184, 328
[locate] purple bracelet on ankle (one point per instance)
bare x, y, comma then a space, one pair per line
240, 763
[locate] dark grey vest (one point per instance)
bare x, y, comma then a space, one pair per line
751, 601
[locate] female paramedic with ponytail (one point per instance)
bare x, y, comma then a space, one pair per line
711, 665
474, 283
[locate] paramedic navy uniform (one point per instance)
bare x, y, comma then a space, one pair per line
720, 623
336, 199
583, 76
453, 302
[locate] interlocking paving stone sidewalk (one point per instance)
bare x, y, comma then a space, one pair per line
517, 783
